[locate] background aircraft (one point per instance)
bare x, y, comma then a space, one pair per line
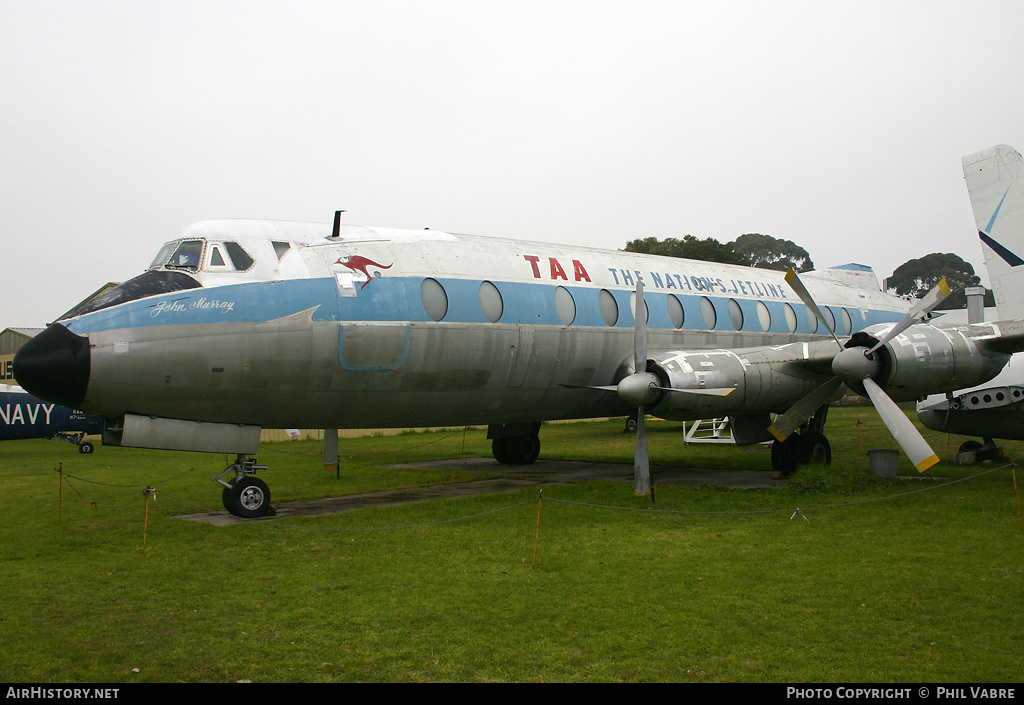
995, 183
239, 325
25, 416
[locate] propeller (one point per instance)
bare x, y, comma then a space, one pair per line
643, 388
858, 365
640, 388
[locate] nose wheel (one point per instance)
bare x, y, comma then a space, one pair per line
248, 497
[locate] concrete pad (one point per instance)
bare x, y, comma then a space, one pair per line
513, 477
580, 471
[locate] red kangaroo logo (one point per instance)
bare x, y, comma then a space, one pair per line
358, 263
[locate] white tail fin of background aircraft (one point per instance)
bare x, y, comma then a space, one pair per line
995, 182
995, 410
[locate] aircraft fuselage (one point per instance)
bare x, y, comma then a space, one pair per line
378, 328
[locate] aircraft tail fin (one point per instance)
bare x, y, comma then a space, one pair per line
995, 182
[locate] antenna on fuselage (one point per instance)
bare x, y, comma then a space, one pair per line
337, 224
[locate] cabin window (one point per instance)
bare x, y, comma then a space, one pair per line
764, 316
847, 322
707, 310
187, 255
491, 302
830, 319
435, 300
790, 317
632, 307
735, 314
812, 320
609, 308
675, 311
565, 305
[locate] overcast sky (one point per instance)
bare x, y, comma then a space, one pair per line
839, 126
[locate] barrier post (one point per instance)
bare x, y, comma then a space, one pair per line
1016, 494
536, 538
145, 524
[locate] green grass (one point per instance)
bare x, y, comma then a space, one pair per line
714, 585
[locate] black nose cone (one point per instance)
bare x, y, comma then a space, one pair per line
54, 366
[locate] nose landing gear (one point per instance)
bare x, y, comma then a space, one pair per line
248, 497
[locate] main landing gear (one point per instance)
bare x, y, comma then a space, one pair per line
989, 450
248, 497
810, 446
515, 444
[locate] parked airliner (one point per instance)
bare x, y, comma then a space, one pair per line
239, 325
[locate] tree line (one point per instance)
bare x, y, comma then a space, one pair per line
914, 277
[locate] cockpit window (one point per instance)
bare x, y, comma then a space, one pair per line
281, 249
187, 256
161, 258
239, 257
216, 258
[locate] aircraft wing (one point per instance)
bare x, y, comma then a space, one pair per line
1008, 337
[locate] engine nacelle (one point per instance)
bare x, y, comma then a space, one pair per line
929, 360
715, 383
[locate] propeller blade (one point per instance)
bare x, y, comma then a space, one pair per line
641, 463
640, 336
901, 428
708, 391
930, 300
604, 388
798, 286
794, 418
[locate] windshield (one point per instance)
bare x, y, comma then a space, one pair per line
161, 258
188, 255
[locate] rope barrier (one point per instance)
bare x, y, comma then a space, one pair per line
799, 511
279, 525
150, 491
